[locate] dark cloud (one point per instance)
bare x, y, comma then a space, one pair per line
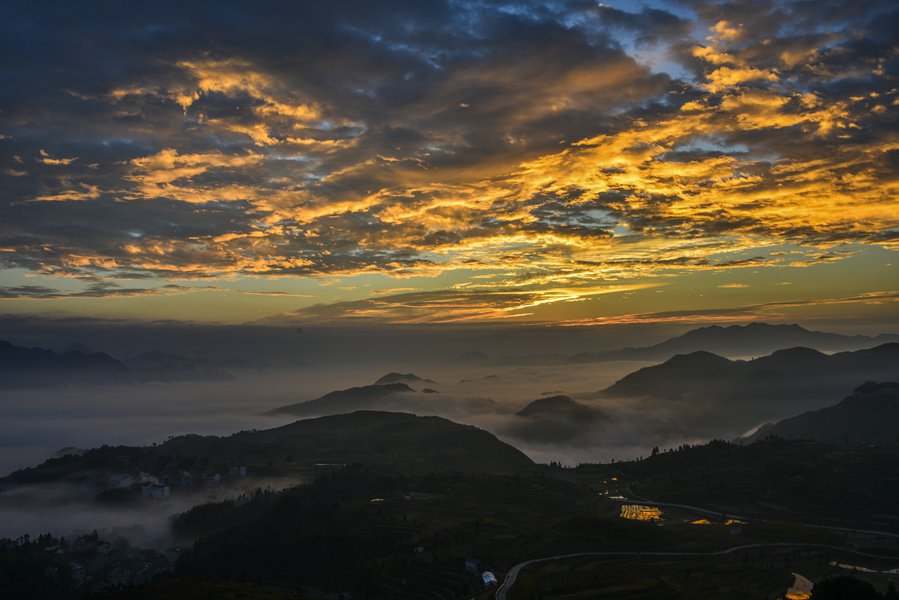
95, 290
649, 25
167, 139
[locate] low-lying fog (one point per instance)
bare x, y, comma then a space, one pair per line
34, 424
65, 510
291, 366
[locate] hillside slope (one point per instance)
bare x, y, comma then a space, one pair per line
870, 415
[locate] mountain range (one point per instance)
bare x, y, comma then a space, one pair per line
734, 341
713, 395
22, 367
784, 372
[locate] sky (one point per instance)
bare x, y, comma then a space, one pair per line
572, 163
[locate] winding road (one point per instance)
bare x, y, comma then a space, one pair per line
512, 575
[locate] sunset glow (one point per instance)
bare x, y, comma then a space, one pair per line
551, 162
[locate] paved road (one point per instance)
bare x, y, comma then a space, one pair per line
512, 575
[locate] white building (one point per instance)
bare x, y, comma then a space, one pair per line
154, 490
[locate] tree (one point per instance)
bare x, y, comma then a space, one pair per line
844, 587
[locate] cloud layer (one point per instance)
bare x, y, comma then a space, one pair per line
547, 145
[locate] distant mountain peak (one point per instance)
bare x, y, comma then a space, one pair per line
797, 351
700, 358
22, 367
559, 400
352, 399
763, 325
560, 406
395, 377
756, 327
76, 347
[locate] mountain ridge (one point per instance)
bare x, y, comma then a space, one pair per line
375, 438
407, 378
675, 376
342, 401
751, 339
24, 368
869, 415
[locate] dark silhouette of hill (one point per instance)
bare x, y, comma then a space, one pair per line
555, 420
22, 367
838, 484
343, 401
329, 534
560, 407
870, 415
426, 443
393, 440
679, 374
76, 347
785, 372
407, 378
793, 358
713, 396
753, 339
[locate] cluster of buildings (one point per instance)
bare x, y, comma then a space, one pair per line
639, 512
154, 490
95, 564
185, 481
